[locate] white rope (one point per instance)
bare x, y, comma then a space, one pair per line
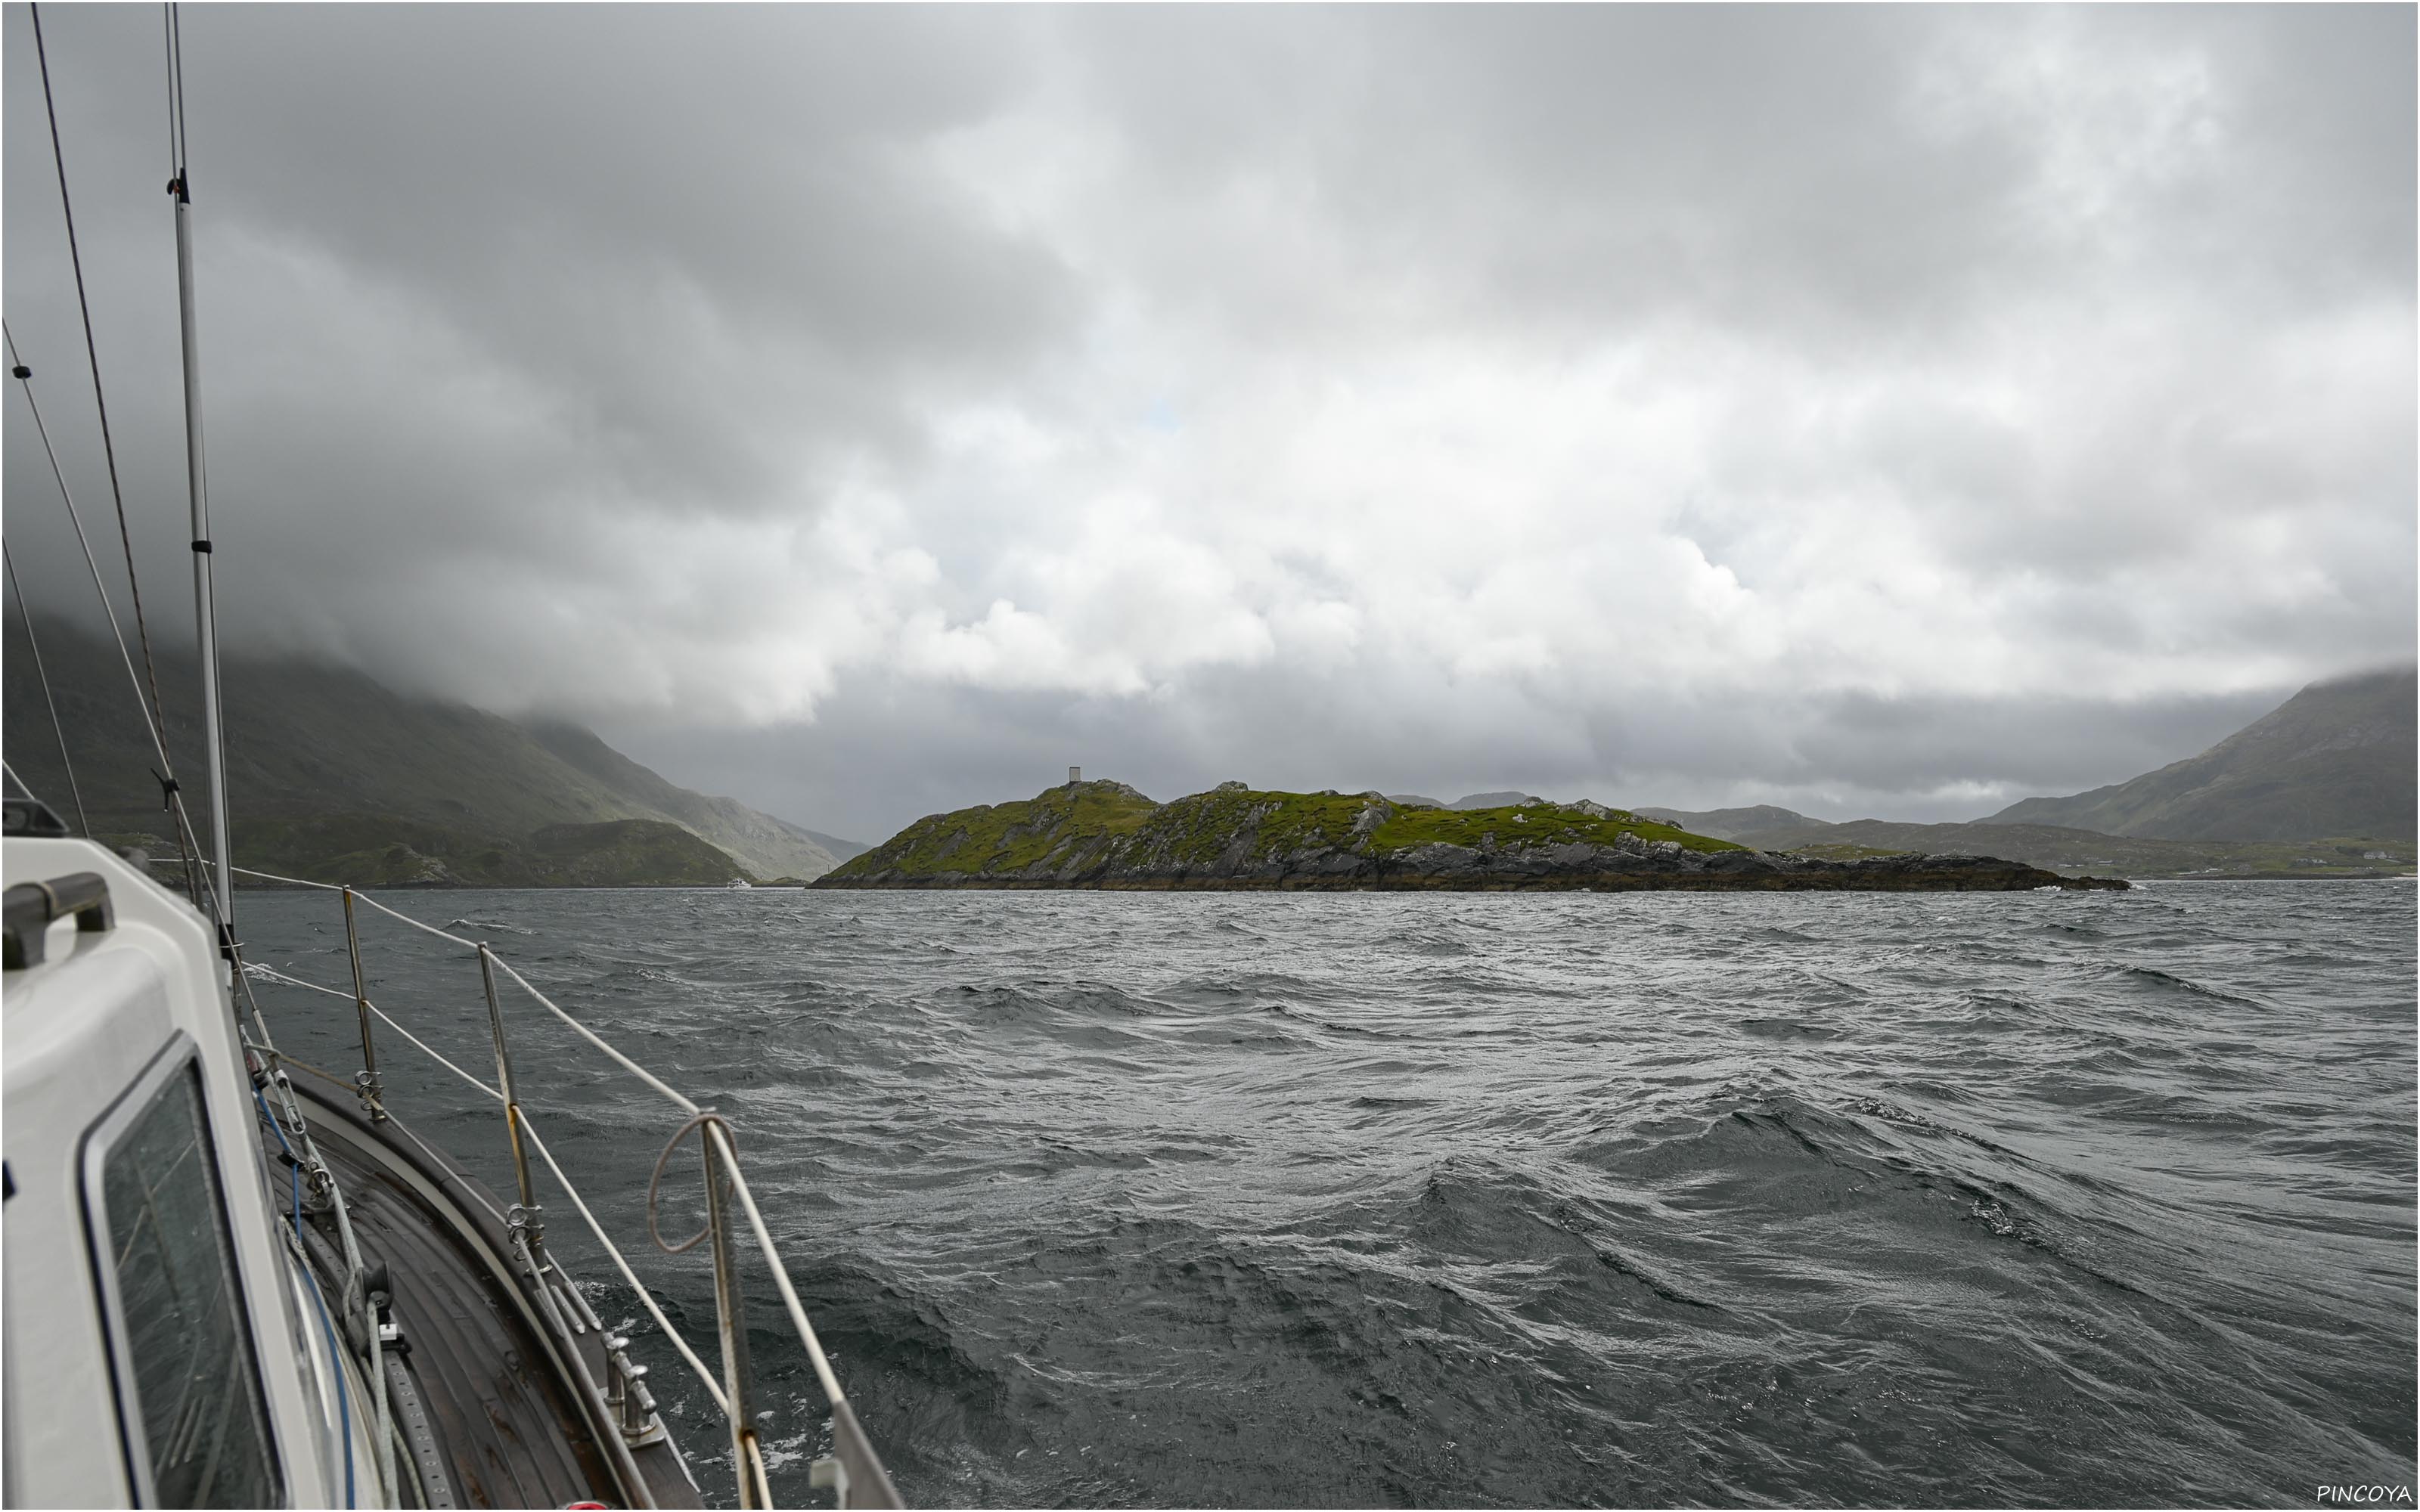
781, 1273
586, 1033
268, 975
704, 1376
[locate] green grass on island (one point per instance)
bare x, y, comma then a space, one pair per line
1199, 828
1009, 836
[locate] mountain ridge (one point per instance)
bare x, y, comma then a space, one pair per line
1745, 825
2335, 758
310, 744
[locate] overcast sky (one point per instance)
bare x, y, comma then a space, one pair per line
1886, 410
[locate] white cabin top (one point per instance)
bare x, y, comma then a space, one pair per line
159, 1347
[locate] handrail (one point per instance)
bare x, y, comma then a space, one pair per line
856, 1474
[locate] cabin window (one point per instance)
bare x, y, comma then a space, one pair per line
189, 1391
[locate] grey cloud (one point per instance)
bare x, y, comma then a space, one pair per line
854, 408
1845, 169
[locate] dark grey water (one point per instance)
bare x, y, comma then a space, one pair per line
1376, 1200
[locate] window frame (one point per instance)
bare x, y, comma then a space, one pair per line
179, 1057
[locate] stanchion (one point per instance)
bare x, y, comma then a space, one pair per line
366, 1083
505, 1080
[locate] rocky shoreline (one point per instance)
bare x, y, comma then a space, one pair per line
1108, 837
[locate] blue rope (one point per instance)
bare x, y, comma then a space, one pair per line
262, 1104
335, 1355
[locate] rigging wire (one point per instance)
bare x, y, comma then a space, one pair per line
168, 40
167, 772
92, 351
176, 35
42, 675
173, 36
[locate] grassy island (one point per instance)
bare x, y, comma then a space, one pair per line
1105, 834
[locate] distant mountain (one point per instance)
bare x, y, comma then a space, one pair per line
1493, 800
1749, 826
1413, 800
769, 847
838, 848
2337, 759
326, 766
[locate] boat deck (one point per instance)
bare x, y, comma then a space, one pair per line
511, 1427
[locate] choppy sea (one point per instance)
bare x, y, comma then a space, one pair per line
1364, 1201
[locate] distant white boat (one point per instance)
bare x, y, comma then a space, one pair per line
738, 883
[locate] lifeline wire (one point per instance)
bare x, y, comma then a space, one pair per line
646, 1300
271, 974
581, 1029
712, 1129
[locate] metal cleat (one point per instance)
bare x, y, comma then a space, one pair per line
638, 1408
